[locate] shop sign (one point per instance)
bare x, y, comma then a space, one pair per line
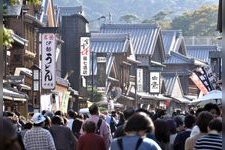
48, 60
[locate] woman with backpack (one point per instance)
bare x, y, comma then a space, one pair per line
136, 128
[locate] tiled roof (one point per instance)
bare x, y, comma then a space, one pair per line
70, 10
109, 43
172, 41
201, 52
176, 58
143, 36
169, 80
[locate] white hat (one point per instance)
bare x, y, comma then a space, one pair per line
38, 118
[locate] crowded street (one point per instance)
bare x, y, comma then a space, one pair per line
115, 75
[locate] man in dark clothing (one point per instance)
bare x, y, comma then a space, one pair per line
119, 131
179, 142
62, 135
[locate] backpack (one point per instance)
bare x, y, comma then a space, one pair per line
120, 143
112, 125
98, 126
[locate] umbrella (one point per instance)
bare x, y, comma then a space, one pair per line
211, 96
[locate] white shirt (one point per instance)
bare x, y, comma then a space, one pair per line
195, 130
70, 123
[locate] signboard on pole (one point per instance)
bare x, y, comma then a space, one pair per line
139, 79
154, 82
84, 56
48, 60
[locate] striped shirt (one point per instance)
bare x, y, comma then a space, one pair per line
209, 142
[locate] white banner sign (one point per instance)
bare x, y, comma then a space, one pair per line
84, 56
139, 80
154, 82
48, 60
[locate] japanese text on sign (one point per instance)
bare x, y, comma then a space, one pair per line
48, 61
84, 56
154, 82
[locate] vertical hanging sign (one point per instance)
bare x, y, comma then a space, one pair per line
154, 82
48, 60
84, 56
139, 79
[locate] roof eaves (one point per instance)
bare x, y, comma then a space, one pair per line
19, 39
35, 20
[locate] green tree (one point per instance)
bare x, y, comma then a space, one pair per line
7, 37
7, 33
199, 22
161, 18
129, 18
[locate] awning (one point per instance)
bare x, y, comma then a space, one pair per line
146, 95
182, 100
15, 96
162, 97
126, 98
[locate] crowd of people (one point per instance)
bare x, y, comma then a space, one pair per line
130, 129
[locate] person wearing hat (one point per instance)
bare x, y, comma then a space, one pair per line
38, 138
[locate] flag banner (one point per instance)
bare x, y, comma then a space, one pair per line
211, 76
198, 83
203, 76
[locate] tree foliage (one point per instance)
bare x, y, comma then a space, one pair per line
129, 18
199, 22
7, 33
161, 18
7, 37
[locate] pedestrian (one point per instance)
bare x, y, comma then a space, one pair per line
62, 135
179, 142
162, 133
90, 140
173, 131
195, 130
38, 138
180, 123
202, 122
10, 136
127, 113
103, 128
213, 140
111, 120
48, 123
28, 125
70, 115
76, 126
121, 119
136, 128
